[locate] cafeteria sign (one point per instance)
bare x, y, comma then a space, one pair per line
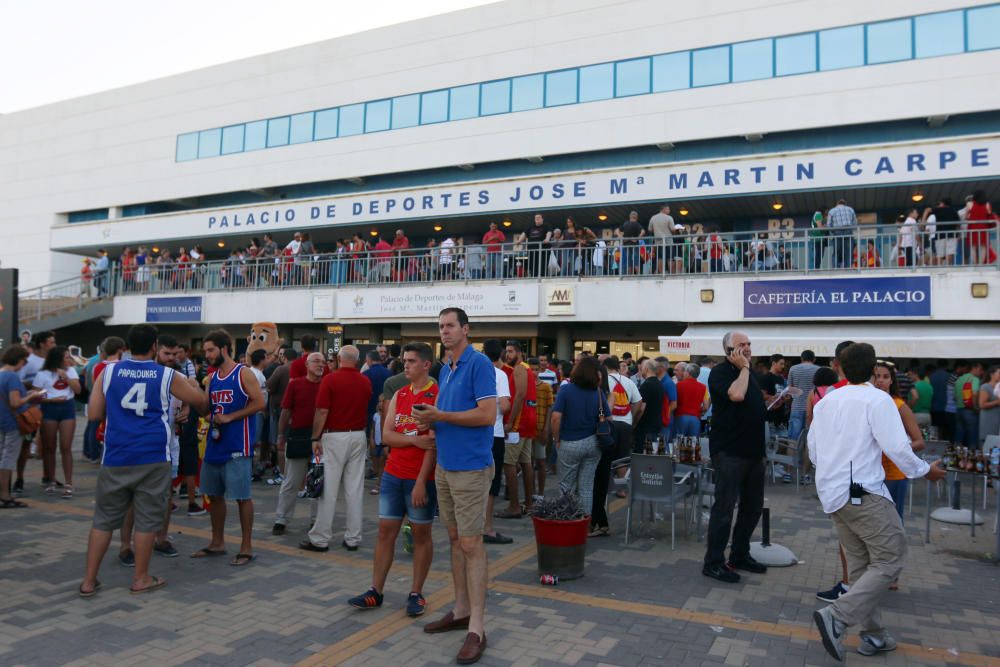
173, 309
838, 297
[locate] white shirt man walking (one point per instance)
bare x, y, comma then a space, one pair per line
852, 427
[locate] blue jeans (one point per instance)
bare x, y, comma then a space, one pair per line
897, 489
967, 427
687, 425
796, 422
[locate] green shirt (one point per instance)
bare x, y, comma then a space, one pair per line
925, 395
967, 378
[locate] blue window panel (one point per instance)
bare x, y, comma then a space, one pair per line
889, 41
232, 139
984, 28
795, 54
326, 124
352, 120
464, 102
496, 97
632, 77
753, 60
597, 82
301, 128
711, 66
842, 47
434, 107
560, 88
671, 71
527, 92
95, 214
405, 111
939, 34
187, 147
378, 115
277, 131
209, 143
255, 135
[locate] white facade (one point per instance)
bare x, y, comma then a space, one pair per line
117, 148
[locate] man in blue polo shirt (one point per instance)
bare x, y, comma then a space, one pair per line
462, 420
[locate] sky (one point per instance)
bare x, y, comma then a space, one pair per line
52, 50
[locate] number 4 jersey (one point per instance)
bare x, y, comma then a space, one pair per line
137, 398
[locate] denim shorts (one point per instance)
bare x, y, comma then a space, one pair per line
395, 499
230, 479
57, 412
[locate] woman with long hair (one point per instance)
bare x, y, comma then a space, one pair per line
61, 383
574, 429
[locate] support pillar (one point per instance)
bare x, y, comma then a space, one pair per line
564, 343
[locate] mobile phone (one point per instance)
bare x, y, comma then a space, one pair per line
74, 350
729, 351
420, 407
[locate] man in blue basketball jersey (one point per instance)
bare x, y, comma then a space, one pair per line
134, 397
235, 397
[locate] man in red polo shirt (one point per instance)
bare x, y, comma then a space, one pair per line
298, 367
407, 487
339, 437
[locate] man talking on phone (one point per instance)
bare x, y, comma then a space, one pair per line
736, 442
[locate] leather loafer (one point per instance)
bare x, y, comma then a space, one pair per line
309, 546
446, 623
747, 564
472, 649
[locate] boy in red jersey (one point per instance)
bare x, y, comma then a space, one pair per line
407, 482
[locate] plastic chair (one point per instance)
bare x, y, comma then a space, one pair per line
652, 480
791, 459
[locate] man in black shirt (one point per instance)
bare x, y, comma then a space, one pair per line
538, 236
947, 229
774, 384
632, 231
650, 415
737, 446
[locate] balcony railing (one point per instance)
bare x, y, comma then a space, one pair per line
856, 250
65, 296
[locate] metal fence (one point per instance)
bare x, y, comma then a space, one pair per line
862, 249
59, 297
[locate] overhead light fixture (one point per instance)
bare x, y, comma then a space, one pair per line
438, 228
602, 216
534, 159
937, 121
357, 180
373, 232
507, 223
683, 210
221, 244
917, 196
753, 137
980, 290
155, 249
665, 146
466, 167
777, 206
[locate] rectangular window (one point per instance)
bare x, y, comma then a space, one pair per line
889, 41
842, 47
753, 60
795, 54
232, 139
326, 124
984, 28
378, 115
302, 128
597, 82
527, 92
671, 71
560, 88
352, 120
255, 136
187, 147
632, 77
464, 102
711, 66
209, 143
496, 97
939, 34
277, 131
405, 111
434, 107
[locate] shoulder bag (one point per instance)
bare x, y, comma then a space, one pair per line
605, 438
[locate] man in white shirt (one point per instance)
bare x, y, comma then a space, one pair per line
851, 429
493, 348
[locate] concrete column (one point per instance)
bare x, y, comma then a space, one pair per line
564, 343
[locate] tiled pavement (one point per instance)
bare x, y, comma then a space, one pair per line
638, 605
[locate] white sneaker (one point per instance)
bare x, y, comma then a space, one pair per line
872, 644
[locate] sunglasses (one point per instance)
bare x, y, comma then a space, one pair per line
881, 362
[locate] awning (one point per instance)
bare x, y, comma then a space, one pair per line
914, 340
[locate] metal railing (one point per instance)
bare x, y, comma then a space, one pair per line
869, 248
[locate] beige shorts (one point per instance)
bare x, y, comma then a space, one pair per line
462, 496
540, 449
519, 452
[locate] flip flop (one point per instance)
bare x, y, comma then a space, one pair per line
507, 515
245, 558
600, 532
157, 583
11, 503
91, 593
205, 552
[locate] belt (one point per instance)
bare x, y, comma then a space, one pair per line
343, 430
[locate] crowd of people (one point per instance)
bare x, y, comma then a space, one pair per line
443, 436
938, 235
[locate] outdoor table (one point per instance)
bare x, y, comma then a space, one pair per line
975, 474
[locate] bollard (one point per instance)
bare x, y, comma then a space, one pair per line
765, 517
956, 494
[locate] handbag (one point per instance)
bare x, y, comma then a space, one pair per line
29, 420
605, 438
299, 444
314, 481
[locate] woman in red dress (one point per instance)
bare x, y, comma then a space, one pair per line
980, 219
